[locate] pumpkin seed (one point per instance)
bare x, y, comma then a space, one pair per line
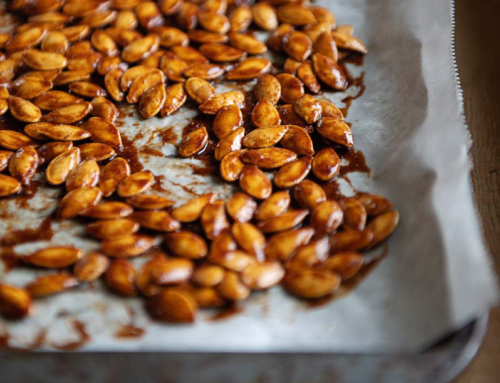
172, 272
330, 110
112, 228
204, 71
281, 246
268, 87
51, 284
173, 67
10, 139
265, 137
235, 260
103, 132
374, 204
329, 72
85, 174
207, 275
69, 114
144, 278
120, 277
8, 185
213, 22
103, 108
60, 166
56, 42
223, 243
240, 18
193, 142
275, 205
91, 267
335, 130
221, 52
249, 238
349, 42
144, 82
268, 158
291, 88
382, 226
326, 46
112, 174
25, 39
127, 247
23, 110
246, 43
149, 202
254, 182
295, 14
152, 100
229, 143
191, 210
297, 45
189, 55
23, 164
231, 286
217, 102
306, 74
186, 244
309, 194
156, 220
135, 184
55, 99
265, 115
77, 201
199, 90
275, 40
51, 150
290, 66
326, 164
131, 74
265, 16
231, 166
29, 88
241, 207
5, 156
203, 37
140, 48
350, 240
250, 68
354, 214
125, 19
309, 255
177, 306
187, 16
54, 257
69, 76
326, 217
293, 173
345, 264
44, 60
148, 14
112, 81
15, 303
227, 120
213, 219
312, 284
283, 222
170, 36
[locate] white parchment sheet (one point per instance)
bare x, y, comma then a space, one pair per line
408, 123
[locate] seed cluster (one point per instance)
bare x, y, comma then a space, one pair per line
64, 71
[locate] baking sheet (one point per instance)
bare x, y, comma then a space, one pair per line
436, 276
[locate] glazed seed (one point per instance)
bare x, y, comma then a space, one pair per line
265, 115
374, 204
109, 210
268, 87
348, 41
127, 247
207, 297
50, 150
213, 219
135, 184
382, 226
326, 217
262, 276
249, 238
193, 142
85, 174
144, 278
149, 202
207, 275
112, 228
240, 18
15, 303
231, 287
247, 43
250, 68
199, 90
44, 60
203, 70
23, 110
103, 132
55, 99
96, 151
86, 89
355, 214
297, 140
235, 260
175, 98
345, 264
325, 45
156, 220
69, 114
290, 66
254, 182
281, 246
177, 306
91, 267
268, 158
61, 166
51, 284
191, 211
283, 222
152, 101
54, 257
329, 72
229, 143
305, 73
144, 82
77, 201
103, 108
309, 194
23, 164
10, 139
295, 14
308, 108
326, 164
291, 88
221, 52
172, 272
241, 207
112, 174
265, 16
335, 130
186, 244
120, 277
227, 120
217, 102
275, 205
297, 45
350, 240
223, 243
231, 166
5, 156
312, 284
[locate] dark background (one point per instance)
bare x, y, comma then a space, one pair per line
478, 58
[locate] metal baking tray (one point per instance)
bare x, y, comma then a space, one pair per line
439, 364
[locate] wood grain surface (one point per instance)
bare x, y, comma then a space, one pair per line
478, 57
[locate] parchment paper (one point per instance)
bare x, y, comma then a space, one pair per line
409, 124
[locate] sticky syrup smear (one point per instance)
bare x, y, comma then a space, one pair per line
353, 82
84, 337
226, 312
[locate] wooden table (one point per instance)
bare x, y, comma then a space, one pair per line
478, 57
